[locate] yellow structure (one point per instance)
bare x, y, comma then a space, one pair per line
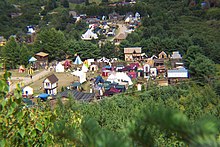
2, 41
162, 55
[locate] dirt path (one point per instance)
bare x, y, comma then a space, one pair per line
23, 81
122, 28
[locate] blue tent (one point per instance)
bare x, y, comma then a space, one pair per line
107, 67
75, 84
78, 60
32, 59
99, 79
43, 96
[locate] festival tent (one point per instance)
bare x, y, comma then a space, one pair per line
59, 67
32, 59
89, 35
93, 67
103, 59
127, 20
119, 67
90, 61
99, 79
75, 85
86, 63
84, 68
43, 96
78, 60
81, 75
105, 73
111, 91
21, 69
67, 64
119, 77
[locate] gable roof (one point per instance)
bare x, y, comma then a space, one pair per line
176, 55
131, 50
77, 95
162, 55
52, 78
121, 36
42, 54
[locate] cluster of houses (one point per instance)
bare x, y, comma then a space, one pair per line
29, 37
168, 68
114, 76
97, 26
108, 27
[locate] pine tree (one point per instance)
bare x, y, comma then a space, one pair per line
65, 3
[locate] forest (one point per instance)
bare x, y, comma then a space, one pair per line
182, 115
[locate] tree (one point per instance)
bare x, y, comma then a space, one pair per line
85, 49
53, 42
11, 53
51, 4
202, 69
191, 54
20, 124
24, 55
108, 50
65, 3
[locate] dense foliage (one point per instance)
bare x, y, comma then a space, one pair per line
161, 116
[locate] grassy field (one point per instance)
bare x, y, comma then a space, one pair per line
65, 79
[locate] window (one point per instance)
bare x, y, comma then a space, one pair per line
47, 84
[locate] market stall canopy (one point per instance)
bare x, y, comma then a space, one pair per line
119, 77
78, 60
32, 59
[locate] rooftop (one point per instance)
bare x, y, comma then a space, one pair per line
42, 54
131, 50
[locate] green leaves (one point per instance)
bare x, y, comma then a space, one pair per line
39, 126
22, 126
22, 131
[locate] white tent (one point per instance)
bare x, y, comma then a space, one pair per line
119, 77
137, 16
127, 20
78, 60
106, 27
81, 75
103, 59
84, 68
59, 67
93, 67
90, 61
28, 90
89, 35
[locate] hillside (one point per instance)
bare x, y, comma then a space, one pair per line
183, 114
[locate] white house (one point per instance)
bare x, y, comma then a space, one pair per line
146, 68
153, 72
28, 91
50, 84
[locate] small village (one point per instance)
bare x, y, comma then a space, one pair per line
94, 79
109, 73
